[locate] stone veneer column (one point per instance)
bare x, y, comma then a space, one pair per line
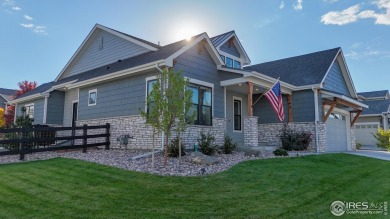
353, 138
251, 129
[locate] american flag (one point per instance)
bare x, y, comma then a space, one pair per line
274, 96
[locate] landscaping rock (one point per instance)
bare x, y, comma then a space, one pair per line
249, 152
199, 158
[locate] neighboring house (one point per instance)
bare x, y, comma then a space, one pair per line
376, 116
109, 76
5, 96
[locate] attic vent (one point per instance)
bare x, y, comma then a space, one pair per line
108, 67
101, 43
119, 60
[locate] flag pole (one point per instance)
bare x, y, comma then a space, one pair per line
265, 92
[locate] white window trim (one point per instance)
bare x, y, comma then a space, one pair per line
232, 57
240, 99
151, 78
206, 84
29, 105
89, 94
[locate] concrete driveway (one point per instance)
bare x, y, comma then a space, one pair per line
382, 155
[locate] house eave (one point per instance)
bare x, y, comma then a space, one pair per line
27, 98
348, 99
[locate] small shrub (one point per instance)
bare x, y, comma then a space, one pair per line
294, 140
173, 149
358, 146
280, 152
228, 145
206, 144
383, 138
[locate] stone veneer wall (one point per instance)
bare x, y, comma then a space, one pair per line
143, 134
353, 139
251, 137
268, 134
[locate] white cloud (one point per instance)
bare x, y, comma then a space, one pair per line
331, 1
16, 8
27, 25
367, 52
353, 14
29, 18
346, 16
298, 6
282, 5
40, 29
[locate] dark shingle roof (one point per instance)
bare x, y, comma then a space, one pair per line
376, 106
40, 89
8, 93
379, 93
299, 70
220, 38
136, 38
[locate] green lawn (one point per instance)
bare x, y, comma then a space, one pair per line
289, 188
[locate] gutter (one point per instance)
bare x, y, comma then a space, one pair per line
34, 96
316, 116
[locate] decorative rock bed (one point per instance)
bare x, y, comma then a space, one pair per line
122, 159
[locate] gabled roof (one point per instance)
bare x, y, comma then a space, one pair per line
219, 39
371, 94
376, 106
38, 90
300, 70
7, 94
141, 42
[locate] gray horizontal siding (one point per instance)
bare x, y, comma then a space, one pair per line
202, 67
368, 119
38, 109
55, 108
264, 111
335, 81
232, 50
114, 48
303, 106
238, 137
69, 98
116, 98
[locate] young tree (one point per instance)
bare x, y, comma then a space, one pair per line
383, 138
24, 87
170, 100
2, 119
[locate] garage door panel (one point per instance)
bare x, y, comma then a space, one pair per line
364, 133
336, 135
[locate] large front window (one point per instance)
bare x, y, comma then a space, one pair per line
149, 90
29, 110
201, 104
237, 115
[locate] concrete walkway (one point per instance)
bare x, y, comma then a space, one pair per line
382, 155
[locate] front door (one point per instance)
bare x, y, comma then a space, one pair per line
74, 116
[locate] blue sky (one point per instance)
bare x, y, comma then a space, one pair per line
39, 37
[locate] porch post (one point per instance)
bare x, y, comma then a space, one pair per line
250, 94
290, 115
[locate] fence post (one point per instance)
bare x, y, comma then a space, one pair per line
85, 132
22, 146
107, 136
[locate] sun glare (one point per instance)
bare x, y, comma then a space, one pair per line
186, 33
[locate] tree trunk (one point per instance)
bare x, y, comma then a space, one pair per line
166, 150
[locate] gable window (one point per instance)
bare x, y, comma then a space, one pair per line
92, 96
223, 58
149, 88
201, 104
237, 108
229, 62
29, 110
236, 64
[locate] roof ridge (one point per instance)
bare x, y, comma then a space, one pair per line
307, 54
233, 31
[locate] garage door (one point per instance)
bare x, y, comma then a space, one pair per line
363, 133
336, 133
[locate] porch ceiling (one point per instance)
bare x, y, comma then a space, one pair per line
260, 84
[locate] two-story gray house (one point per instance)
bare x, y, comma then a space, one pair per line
109, 76
5, 96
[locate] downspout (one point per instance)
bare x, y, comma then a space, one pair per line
162, 134
316, 117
